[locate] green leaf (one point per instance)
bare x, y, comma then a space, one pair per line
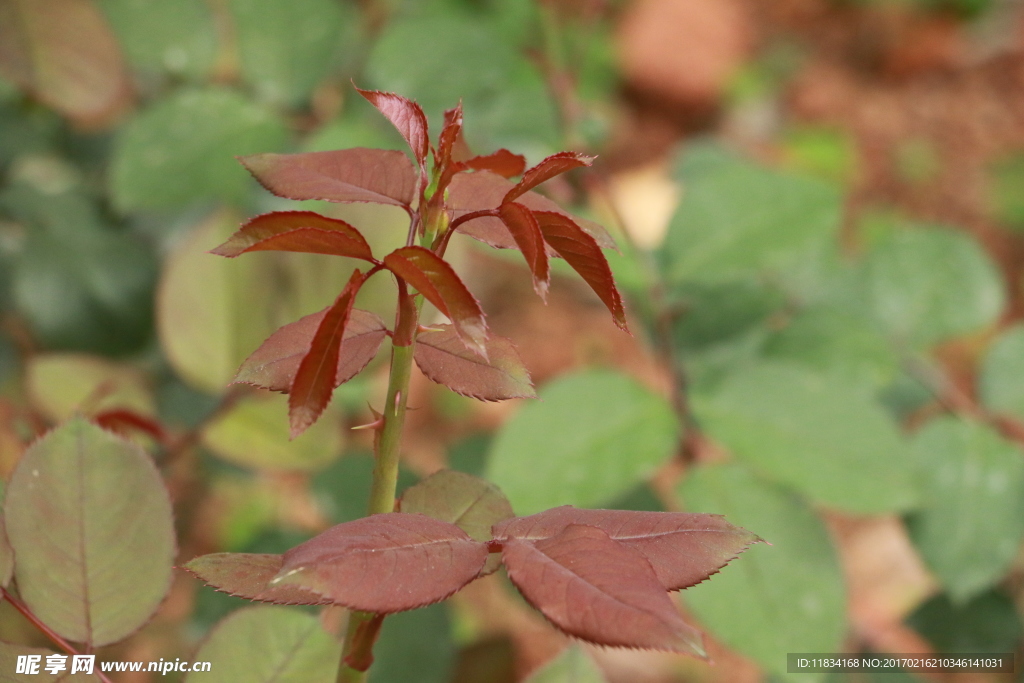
59, 384
288, 46
80, 284
923, 286
254, 433
573, 665
592, 437
10, 652
213, 312
711, 313
987, 623
268, 645
737, 218
1001, 370
1006, 179
156, 36
414, 646
971, 521
100, 573
826, 438
842, 344
343, 489
787, 597
182, 149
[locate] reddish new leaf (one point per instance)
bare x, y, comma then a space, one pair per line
438, 282
247, 576
526, 232
385, 563
503, 162
303, 231
471, 192
274, 364
406, 116
444, 359
601, 591
449, 135
313, 385
556, 164
124, 421
378, 176
582, 252
684, 549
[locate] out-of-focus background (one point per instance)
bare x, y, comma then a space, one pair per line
820, 209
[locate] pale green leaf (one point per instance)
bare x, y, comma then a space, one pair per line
60, 384
784, 597
1002, 369
90, 522
158, 36
182, 149
268, 645
592, 437
737, 218
287, 47
415, 646
925, 285
825, 437
254, 433
573, 665
971, 522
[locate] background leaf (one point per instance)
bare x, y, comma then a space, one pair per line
61, 383
736, 218
971, 522
925, 285
986, 623
101, 572
182, 148
831, 442
415, 646
157, 37
254, 433
787, 597
572, 665
268, 645
593, 437
287, 47
1003, 365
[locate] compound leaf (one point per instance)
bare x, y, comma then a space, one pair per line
556, 164
268, 645
90, 523
303, 231
523, 227
581, 251
444, 358
313, 385
274, 364
598, 590
406, 116
385, 563
437, 281
682, 548
377, 176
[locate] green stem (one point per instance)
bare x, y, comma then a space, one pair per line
364, 627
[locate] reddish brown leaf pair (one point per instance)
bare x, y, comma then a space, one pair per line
312, 356
599, 575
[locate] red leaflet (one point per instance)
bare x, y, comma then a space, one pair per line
449, 134
378, 176
313, 385
438, 282
274, 364
503, 162
684, 549
526, 232
601, 591
246, 576
123, 421
582, 252
470, 192
556, 164
303, 231
444, 359
406, 116
385, 563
